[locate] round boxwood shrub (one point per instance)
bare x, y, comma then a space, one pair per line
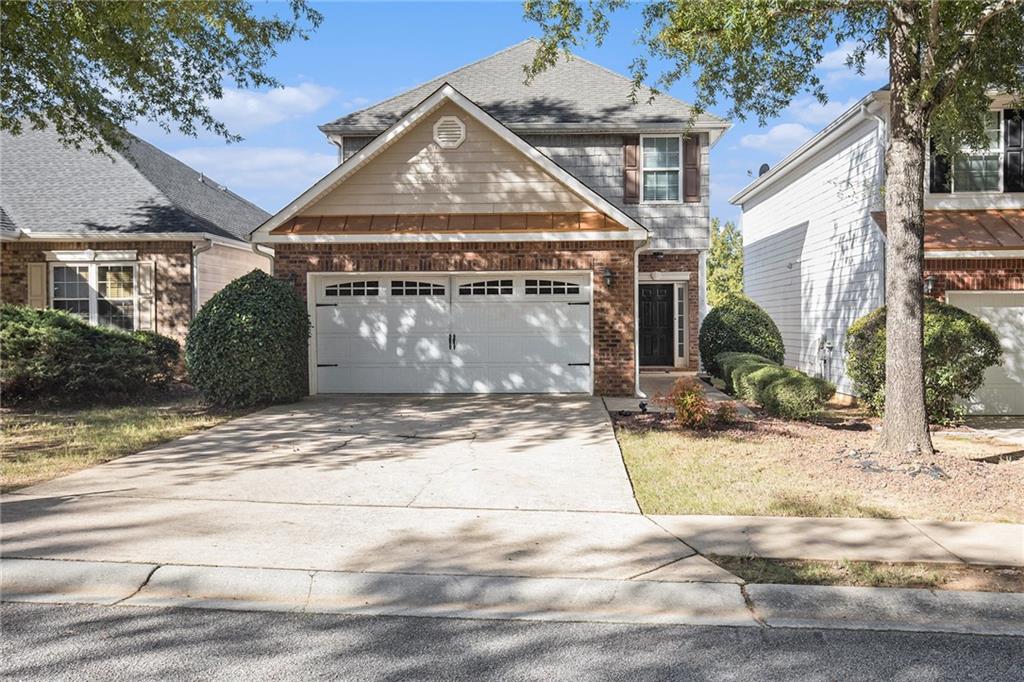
958, 348
247, 345
50, 356
738, 325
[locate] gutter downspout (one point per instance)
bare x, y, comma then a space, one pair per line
256, 249
636, 316
199, 248
882, 137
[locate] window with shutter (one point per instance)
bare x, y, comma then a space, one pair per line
631, 170
1013, 159
691, 169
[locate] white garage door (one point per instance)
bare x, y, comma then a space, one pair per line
1003, 391
410, 333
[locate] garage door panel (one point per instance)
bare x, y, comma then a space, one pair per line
512, 378
479, 348
496, 337
1003, 389
515, 316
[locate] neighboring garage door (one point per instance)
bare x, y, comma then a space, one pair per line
423, 333
1003, 391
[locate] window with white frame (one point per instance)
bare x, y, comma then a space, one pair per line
102, 294
661, 163
978, 170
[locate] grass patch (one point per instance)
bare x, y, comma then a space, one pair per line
40, 444
873, 574
716, 473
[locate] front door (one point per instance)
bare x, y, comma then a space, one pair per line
656, 327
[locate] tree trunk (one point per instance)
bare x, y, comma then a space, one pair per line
905, 423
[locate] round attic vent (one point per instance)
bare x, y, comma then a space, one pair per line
449, 132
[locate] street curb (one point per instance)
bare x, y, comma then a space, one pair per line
71, 582
889, 608
491, 597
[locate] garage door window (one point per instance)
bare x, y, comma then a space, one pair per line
548, 287
410, 288
493, 287
368, 288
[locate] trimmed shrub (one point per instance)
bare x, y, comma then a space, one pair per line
248, 344
958, 348
54, 357
692, 408
781, 391
738, 325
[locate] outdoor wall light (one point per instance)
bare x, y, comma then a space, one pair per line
929, 284
609, 277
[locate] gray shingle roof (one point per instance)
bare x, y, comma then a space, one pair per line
7, 226
52, 188
573, 93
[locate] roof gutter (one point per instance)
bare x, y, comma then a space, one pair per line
839, 126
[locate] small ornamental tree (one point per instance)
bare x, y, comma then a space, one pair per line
248, 344
725, 262
958, 348
738, 325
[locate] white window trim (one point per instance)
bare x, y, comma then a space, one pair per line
644, 169
953, 193
94, 266
90, 256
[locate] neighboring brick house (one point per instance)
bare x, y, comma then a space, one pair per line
483, 235
137, 241
814, 241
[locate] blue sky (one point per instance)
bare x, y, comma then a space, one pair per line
366, 52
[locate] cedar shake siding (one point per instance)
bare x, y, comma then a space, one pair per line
598, 161
173, 275
613, 345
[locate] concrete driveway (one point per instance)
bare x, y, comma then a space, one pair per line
424, 485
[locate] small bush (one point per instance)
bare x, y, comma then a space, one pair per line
958, 348
54, 357
692, 408
781, 391
248, 344
738, 325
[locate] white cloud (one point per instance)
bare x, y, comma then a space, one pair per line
833, 63
782, 137
267, 176
248, 110
808, 110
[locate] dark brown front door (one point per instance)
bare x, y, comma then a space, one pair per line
656, 333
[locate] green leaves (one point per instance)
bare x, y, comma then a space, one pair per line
91, 68
725, 262
738, 325
248, 344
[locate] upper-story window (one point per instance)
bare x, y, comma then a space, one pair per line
661, 159
994, 168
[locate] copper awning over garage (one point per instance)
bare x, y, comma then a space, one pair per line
992, 230
450, 222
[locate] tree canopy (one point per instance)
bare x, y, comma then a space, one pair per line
725, 262
90, 68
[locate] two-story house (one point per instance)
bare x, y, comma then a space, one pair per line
814, 241
485, 235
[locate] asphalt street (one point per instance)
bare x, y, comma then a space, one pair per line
133, 643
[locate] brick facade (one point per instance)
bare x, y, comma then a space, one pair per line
681, 262
975, 274
614, 368
173, 274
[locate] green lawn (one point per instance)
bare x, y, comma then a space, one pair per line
40, 444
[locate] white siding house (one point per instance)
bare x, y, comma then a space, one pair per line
813, 257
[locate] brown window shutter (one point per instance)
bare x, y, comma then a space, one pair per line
691, 169
631, 169
36, 276
146, 295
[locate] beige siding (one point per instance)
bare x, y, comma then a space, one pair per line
222, 264
484, 175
